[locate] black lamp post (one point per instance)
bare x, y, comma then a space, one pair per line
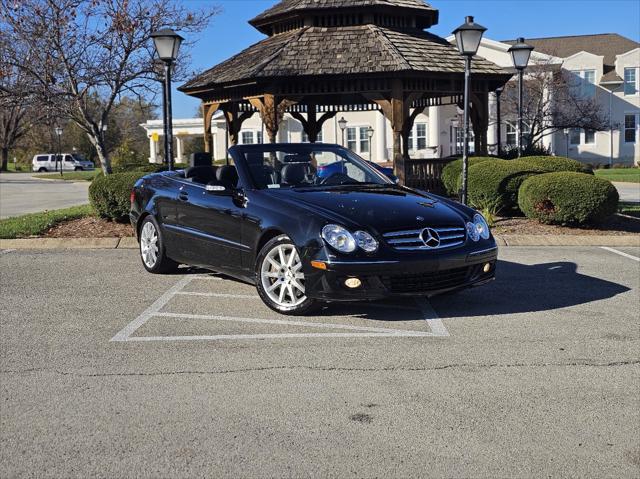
167, 44
520, 54
343, 126
468, 37
370, 133
58, 131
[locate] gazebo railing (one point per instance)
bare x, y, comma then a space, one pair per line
426, 174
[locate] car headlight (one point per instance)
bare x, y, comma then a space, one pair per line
339, 238
365, 241
478, 228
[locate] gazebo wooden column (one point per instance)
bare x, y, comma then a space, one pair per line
207, 112
312, 124
272, 111
480, 120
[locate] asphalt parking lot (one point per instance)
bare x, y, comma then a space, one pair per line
108, 371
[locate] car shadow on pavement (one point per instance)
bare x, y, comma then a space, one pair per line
521, 288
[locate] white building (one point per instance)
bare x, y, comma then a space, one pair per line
608, 65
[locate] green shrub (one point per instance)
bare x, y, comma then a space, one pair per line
496, 183
110, 195
452, 174
550, 164
126, 158
568, 198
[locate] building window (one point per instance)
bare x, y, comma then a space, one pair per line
574, 136
305, 137
250, 137
631, 81
585, 83
631, 122
457, 136
358, 139
589, 137
418, 137
512, 134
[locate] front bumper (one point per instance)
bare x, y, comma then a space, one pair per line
427, 274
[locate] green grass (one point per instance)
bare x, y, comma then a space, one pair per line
11, 168
624, 175
631, 209
36, 224
70, 175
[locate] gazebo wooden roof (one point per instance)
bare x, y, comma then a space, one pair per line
327, 56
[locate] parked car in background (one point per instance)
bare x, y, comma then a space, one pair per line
305, 237
70, 162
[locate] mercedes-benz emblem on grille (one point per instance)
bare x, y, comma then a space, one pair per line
430, 238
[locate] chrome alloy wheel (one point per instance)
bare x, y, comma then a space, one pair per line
281, 277
149, 244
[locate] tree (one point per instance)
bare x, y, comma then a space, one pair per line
82, 56
553, 100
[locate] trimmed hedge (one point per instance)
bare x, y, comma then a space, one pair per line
494, 184
550, 164
452, 174
110, 195
568, 198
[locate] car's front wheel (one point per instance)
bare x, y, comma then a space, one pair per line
152, 251
280, 280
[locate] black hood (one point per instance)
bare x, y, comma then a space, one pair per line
384, 208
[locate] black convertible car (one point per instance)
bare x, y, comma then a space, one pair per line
310, 223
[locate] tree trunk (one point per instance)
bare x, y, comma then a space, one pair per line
105, 161
5, 159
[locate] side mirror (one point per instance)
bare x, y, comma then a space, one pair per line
216, 189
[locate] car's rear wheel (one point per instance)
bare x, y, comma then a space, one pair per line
280, 280
152, 251
42, 170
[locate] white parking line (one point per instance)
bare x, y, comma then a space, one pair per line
437, 329
621, 253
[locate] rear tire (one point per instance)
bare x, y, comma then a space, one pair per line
279, 278
42, 170
152, 250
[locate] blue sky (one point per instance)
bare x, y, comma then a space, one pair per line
230, 33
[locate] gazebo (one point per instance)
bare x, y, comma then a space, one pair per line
322, 57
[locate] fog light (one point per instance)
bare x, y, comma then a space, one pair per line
487, 268
353, 283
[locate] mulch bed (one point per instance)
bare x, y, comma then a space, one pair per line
614, 226
90, 227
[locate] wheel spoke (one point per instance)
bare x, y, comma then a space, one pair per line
273, 286
298, 285
274, 263
281, 256
282, 292
293, 296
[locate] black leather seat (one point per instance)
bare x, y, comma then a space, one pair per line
201, 174
227, 176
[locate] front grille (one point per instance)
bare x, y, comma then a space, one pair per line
424, 282
413, 240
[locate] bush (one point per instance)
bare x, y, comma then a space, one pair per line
110, 195
126, 158
568, 198
452, 174
495, 183
550, 164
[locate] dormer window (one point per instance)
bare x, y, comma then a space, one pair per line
584, 83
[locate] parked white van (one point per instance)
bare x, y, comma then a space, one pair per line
71, 162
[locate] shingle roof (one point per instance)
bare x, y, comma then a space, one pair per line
607, 45
289, 6
358, 49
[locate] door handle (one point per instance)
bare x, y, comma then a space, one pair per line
184, 196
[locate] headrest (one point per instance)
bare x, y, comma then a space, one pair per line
227, 175
202, 173
293, 173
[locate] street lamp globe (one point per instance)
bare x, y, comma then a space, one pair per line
58, 131
167, 43
520, 54
370, 132
342, 123
468, 37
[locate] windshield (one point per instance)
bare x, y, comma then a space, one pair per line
308, 166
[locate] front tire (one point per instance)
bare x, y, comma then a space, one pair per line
78, 168
280, 280
152, 250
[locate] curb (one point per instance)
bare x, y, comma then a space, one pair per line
504, 240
